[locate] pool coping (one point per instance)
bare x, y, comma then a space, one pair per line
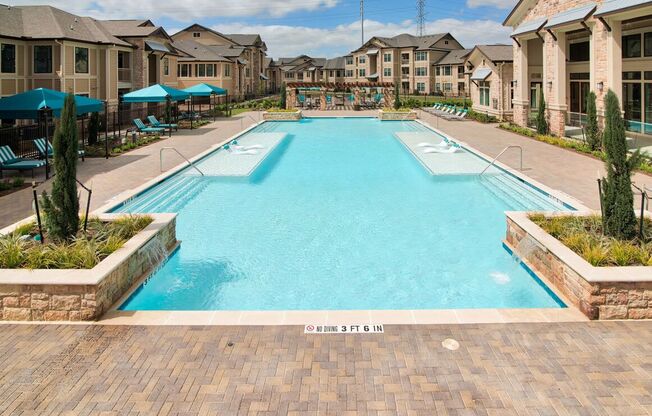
435, 316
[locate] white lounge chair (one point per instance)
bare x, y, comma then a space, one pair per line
243, 152
252, 147
452, 149
443, 143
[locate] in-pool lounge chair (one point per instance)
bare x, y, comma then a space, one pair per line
40, 146
9, 161
144, 129
153, 121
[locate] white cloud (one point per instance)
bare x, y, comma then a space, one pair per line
283, 40
501, 4
184, 11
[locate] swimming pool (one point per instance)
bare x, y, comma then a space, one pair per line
340, 216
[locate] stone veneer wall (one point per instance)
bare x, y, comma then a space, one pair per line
597, 300
282, 116
396, 115
61, 302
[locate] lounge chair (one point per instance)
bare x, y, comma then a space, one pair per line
144, 129
459, 116
452, 149
153, 121
238, 150
443, 143
9, 161
40, 146
234, 145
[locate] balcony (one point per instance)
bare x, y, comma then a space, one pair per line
405, 61
124, 75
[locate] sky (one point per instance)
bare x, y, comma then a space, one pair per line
319, 28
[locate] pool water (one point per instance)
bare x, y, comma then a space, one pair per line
340, 217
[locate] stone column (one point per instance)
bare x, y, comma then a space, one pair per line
522, 88
322, 100
615, 60
389, 97
557, 107
291, 98
356, 96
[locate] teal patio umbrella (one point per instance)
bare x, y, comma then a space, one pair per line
38, 103
204, 90
155, 94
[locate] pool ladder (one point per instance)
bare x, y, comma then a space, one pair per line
160, 155
493, 162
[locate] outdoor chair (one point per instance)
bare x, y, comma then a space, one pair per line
40, 146
9, 161
153, 121
144, 129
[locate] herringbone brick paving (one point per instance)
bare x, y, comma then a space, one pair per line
597, 368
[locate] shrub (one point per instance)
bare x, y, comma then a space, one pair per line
283, 96
18, 182
593, 136
542, 124
481, 117
517, 129
62, 208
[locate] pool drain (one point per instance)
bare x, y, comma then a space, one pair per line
450, 344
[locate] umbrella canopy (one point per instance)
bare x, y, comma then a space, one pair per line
27, 105
205, 90
155, 94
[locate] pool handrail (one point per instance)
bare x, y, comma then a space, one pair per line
493, 162
160, 154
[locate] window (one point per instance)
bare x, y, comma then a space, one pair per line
200, 70
421, 56
460, 87
579, 52
387, 72
227, 70
438, 87
42, 59
289, 75
81, 60
632, 46
405, 71
349, 73
387, 57
184, 70
196, 34
362, 72
485, 93
123, 60
421, 71
8, 52
211, 70
349, 60
166, 67
460, 71
448, 87
648, 44
447, 71
438, 71
362, 59
421, 87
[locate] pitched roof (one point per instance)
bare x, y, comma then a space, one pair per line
198, 52
47, 22
497, 53
335, 63
454, 57
405, 40
130, 28
244, 39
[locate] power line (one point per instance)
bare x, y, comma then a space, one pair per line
421, 17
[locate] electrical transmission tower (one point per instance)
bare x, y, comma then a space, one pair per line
421, 17
362, 19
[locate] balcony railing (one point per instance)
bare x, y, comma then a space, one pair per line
124, 74
405, 62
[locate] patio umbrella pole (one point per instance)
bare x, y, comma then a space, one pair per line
47, 145
191, 115
38, 213
106, 129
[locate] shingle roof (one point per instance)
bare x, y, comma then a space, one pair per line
497, 53
198, 51
129, 28
335, 63
405, 40
47, 22
244, 39
454, 57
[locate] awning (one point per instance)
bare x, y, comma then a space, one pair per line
27, 105
264, 77
572, 16
372, 51
481, 74
529, 27
155, 94
374, 75
312, 68
610, 7
154, 46
205, 90
242, 61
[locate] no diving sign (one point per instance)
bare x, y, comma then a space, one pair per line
345, 329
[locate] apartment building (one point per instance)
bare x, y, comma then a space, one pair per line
565, 49
241, 70
490, 70
450, 74
406, 60
304, 68
273, 74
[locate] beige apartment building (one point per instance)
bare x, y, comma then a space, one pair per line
406, 60
490, 70
231, 61
304, 68
45, 47
450, 74
565, 49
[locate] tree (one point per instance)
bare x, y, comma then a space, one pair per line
617, 196
62, 207
397, 98
93, 128
593, 136
283, 103
542, 124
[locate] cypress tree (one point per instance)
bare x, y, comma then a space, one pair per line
542, 124
592, 130
618, 198
397, 98
62, 207
283, 103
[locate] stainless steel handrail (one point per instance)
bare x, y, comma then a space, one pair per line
160, 155
493, 162
242, 120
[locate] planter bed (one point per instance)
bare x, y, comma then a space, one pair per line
85, 294
385, 115
599, 292
283, 115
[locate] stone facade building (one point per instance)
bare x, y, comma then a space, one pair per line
490, 70
450, 74
564, 49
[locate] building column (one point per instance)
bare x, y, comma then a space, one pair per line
557, 100
615, 60
322, 100
522, 87
291, 98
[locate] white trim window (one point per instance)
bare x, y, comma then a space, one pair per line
387, 57
227, 70
485, 93
421, 87
42, 59
185, 70
421, 56
421, 71
349, 60
81, 60
387, 72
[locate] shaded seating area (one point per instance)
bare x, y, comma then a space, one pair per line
9, 161
153, 121
339, 96
44, 148
157, 93
204, 90
142, 128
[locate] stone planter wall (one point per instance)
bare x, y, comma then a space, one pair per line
282, 116
599, 292
396, 115
84, 295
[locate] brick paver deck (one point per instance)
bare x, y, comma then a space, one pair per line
598, 368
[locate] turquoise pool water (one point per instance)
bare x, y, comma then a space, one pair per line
340, 217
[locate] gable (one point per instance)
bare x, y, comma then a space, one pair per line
447, 42
519, 12
207, 36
